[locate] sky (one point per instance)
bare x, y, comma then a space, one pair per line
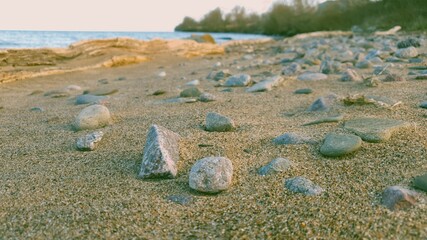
107, 15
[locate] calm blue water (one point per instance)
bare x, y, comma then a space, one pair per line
38, 39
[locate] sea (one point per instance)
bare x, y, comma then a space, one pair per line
60, 39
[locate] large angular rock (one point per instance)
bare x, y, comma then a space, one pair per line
336, 145
375, 129
161, 153
266, 85
92, 117
218, 123
398, 198
211, 175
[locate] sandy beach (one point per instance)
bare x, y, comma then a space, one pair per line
51, 190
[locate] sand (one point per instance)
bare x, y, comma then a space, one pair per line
50, 190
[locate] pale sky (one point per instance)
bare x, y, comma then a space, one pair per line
108, 15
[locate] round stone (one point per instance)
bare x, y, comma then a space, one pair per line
275, 166
211, 175
218, 123
420, 182
191, 92
336, 145
303, 185
92, 117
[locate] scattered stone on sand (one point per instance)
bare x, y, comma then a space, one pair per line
409, 52
102, 92
158, 92
211, 175
372, 81
218, 75
89, 141
360, 99
323, 103
291, 70
364, 64
392, 77
267, 84
351, 75
423, 104
161, 154
309, 76
303, 91
37, 109
337, 145
181, 199
398, 198
177, 100
275, 166
162, 74
375, 129
240, 80
73, 88
328, 119
420, 182
330, 67
292, 138
303, 185
195, 82
410, 42
89, 98
92, 117
57, 94
191, 92
207, 97
216, 122
217, 65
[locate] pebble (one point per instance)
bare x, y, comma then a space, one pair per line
218, 75
410, 42
57, 94
102, 92
351, 75
162, 74
420, 182
181, 199
92, 117
158, 92
394, 78
240, 80
217, 65
328, 119
89, 141
211, 175
303, 91
364, 64
195, 82
207, 97
374, 129
161, 154
291, 70
73, 88
303, 185
37, 109
398, 198
423, 104
218, 123
308, 76
323, 103
337, 145
291, 138
330, 67
89, 98
275, 166
266, 85
191, 92
409, 52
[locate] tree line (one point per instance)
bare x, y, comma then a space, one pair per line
287, 18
